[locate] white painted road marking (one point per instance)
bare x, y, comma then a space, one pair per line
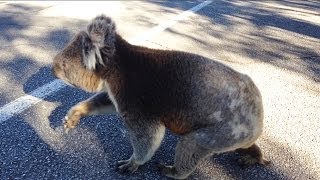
163, 26
24, 102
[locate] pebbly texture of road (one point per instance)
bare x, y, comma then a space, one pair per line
275, 42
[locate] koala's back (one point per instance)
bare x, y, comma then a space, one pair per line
188, 91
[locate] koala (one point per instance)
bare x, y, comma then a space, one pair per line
212, 107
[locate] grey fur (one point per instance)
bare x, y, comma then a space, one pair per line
214, 108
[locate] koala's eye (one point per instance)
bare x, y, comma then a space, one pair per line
64, 64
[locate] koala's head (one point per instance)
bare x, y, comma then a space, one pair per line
88, 51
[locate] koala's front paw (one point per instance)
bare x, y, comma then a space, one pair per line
127, 166
71, 120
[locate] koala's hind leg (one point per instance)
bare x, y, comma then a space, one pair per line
194, 146
187, 155
145, 138
97, 104
251, 156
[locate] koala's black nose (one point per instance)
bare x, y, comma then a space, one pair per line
53, 71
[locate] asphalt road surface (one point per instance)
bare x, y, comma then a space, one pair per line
274, 42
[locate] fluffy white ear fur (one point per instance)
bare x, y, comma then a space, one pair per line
91, 58
102, 31
100, 34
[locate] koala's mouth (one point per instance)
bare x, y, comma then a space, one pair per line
67, 82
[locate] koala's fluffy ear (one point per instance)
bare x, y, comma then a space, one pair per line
91, 54
98, 42
102, 32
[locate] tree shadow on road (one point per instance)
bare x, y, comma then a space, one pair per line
274, 37
27, 45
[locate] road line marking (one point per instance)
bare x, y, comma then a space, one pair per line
17, 106
163, 26
24, 102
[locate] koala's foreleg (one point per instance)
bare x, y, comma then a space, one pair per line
97, 104
145, 138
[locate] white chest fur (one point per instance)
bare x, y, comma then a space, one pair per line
111, 95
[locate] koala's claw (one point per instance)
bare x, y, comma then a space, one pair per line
121, 162
71, 121
249, 161
166, 170
162, 167
68, 124
66, 129
126, 167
